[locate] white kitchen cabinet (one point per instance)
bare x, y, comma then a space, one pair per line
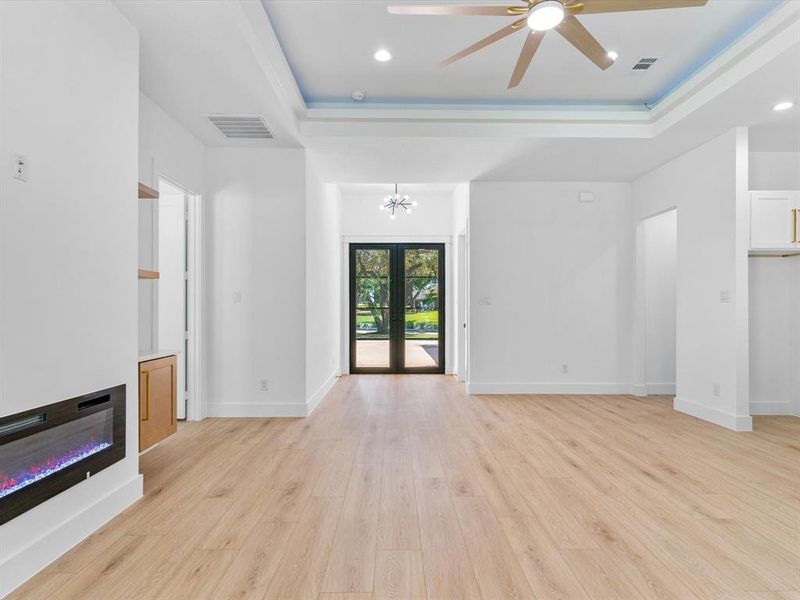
774, 220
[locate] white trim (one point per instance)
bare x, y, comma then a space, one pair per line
661, 389
256, 409
194, 406
548, 388
773, 408
713, 415
39, 553
313, 401
638, 389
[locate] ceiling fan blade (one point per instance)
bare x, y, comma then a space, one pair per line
590, 7
525, 57
577, 35
491, 39
442, 11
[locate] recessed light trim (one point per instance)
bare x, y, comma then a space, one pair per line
783, 106
546, 15
382, 55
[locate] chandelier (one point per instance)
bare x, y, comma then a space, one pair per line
395, 201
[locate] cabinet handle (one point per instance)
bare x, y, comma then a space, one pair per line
146, 397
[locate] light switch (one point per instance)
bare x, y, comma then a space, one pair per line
725, 296
237, 297
585, 197
485, 300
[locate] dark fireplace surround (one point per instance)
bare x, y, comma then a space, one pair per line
47, 450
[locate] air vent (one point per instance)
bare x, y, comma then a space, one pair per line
242, 127
644, 64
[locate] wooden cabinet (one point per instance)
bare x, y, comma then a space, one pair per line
157, 400
774, 220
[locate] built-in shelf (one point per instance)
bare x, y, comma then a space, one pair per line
145, 274
147, 193
778, 253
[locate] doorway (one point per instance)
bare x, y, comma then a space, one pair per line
397, 300
178, 302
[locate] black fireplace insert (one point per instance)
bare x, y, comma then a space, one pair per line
46, 450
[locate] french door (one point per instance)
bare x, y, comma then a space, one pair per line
397, 308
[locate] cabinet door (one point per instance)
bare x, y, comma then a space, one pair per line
157, 400
773, 220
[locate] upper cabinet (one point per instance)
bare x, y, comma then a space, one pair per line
774, 220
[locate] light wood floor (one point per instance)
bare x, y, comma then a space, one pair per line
404, 487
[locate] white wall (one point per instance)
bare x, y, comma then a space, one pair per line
433, 216
68, 246
774, 336
660, 247
323, 281
254, 282
709, 188
550, 284
166, 149
775, 170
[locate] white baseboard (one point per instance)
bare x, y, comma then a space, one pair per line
638, 389
256, 409
661, 389
713, 415
548, 388
39, 553
773, 408
315, 398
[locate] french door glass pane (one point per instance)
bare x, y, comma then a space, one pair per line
421, 307
373, 315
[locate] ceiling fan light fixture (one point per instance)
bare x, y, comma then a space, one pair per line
546, 15
613, 55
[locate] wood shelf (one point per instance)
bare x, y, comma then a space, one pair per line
147, 193
145, 274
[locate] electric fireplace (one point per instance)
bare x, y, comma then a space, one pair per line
46, 450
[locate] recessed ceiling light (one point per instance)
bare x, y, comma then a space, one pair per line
783, 106
546, 15
613, 55
383, 55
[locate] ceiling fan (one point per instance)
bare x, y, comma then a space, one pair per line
540, 16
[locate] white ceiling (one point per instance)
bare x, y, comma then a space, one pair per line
200, 57
441, 159
194, 61
329, 46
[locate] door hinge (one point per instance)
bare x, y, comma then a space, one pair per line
186, 335
186, 275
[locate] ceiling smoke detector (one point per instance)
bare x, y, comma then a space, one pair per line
357, 96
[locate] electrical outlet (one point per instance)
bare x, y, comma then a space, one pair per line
725, 296
565, 368
20, 167
485, 300
237, 297
715, 389
264, 385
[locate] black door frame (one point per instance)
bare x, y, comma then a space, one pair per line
397, 308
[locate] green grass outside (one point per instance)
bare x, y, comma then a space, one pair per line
418, 319
415, 325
